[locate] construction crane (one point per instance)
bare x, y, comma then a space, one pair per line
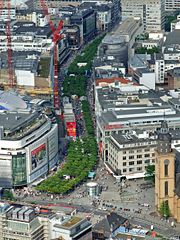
56, 37
9, 49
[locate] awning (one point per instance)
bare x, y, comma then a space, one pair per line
91, 175
135, 175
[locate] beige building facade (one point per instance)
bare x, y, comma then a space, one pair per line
130, 154
167, 176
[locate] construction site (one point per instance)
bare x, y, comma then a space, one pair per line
29, 54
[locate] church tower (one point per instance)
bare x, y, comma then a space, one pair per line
164, 169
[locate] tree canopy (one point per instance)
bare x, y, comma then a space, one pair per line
80, 160
76, 85
150, 173
164, 209
144, 50
82, 154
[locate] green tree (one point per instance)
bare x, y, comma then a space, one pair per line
168, 21
143, 50
82, 155
8, 195
164, 209
150, 173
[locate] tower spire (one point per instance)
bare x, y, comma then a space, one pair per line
164, 139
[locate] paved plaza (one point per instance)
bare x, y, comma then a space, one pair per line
133, 199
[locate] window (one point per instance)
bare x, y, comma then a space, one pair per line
124, 158
124, 152
166, 163
147, 155
166, 188
131, 169
147, 161
131, 151
139, 162
139, 156
146, 149
131, 163
131, 157
124, 170
139, 169
124, 163
139, 150
153, 154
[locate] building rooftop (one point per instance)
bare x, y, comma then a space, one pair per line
73, 221
140, 60
172, 38
81, 14
29, 30
137, 115
14, 121
122, 32
22, 60
121, 80
132, 138
100, 7
175, 72
173, 48
107, 60
109, 224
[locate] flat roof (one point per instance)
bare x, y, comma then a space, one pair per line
73, 221
129, 138
173, 38
108, 118
13, 120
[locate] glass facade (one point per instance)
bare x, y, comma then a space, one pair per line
19, 169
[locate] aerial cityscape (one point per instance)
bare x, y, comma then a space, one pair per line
89, 119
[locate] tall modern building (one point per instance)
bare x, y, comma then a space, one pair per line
172, 5
151, 13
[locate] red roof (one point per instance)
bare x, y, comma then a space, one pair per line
112, 80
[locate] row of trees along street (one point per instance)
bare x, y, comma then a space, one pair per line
82, 154
81, 159
75, 82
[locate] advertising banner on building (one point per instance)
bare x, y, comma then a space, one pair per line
38, 156
71, 129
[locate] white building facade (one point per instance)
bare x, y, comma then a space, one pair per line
151, 13
25, 160
28, 142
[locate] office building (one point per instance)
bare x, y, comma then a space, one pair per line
104, 14
172, 5
86, 20
126, 106
150, 12
20, 222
